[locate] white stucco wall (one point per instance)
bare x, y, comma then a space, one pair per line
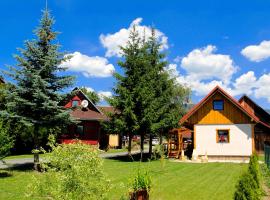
240, 140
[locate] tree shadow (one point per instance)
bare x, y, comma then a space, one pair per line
5, 174
132, 158
21, 167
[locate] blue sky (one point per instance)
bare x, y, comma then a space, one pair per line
207, 42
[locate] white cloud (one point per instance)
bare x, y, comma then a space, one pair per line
103, 94
263, 89
172, 69
89, 89
89, 66
200, 88
245, 84
257, 53
113, 41
204, 64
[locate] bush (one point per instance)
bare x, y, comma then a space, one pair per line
245, 188
158, 152
6, 141
254, 169
141, 181
249, 184
72, 171
265, 174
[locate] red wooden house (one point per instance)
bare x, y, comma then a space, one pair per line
89, 118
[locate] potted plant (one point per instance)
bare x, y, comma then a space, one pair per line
140, 186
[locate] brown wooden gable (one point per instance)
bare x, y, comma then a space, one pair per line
231, 114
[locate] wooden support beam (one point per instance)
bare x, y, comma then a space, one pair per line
253, 137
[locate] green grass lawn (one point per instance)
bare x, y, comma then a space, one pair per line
181, 181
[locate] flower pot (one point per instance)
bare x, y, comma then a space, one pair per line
139, 195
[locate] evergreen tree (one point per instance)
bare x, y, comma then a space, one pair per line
6, 141
166, 106
124, 101
147, 98
34, 100
92, 95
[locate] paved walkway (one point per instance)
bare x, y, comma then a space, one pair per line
24, 161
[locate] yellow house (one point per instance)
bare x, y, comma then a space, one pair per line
223, 127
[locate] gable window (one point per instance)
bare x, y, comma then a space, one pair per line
218, 104
75, 103
223, 136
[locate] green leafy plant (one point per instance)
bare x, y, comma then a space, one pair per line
141, 181
72, 171
158, 152
254, 169
245, 189
249, 184
6, 141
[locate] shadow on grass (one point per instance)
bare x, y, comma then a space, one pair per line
5, 174
21, 167
133, 158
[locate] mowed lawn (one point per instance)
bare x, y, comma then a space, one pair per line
171, 180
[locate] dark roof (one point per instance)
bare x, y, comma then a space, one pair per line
262, 114
91, 104
107, 109
92, 112
87, 114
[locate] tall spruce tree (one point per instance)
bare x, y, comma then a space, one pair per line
166, 106
146, 96
34, 99
125, 121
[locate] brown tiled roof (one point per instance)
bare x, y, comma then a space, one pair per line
107, 109
87, 114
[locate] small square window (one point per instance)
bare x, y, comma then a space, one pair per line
223, 136
75, 103
218, 105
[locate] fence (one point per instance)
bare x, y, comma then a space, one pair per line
267, 155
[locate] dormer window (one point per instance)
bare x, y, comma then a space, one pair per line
75, 103
218, 104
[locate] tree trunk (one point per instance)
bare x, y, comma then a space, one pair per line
36, 153
142, 145
160, 138
120, 141
129, 143
150, 145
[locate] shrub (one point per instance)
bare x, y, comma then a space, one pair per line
245, 188
6, 141
141, 181
265, 174
254, 169
158, 152
72, 171
249, 184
